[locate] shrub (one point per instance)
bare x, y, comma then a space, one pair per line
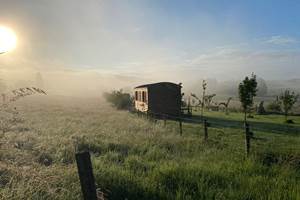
274, 106
261, 109
119, 99
289, 121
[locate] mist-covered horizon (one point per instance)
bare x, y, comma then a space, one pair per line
92, 83
87, 46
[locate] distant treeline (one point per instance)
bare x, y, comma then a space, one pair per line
230, 87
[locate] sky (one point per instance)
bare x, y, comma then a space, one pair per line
155, 39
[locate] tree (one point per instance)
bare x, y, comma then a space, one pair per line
208, 99
119, 99
198, 99
287, 100
247, 92
261, 109
204, 86
226, 105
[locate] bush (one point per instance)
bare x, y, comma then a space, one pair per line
274, 107
261, 109
289, 121
119, 99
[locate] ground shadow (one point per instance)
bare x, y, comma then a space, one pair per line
216, 122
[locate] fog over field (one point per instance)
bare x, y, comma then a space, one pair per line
74, 124
84, 48
88, 83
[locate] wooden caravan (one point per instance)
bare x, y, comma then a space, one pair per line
160, 99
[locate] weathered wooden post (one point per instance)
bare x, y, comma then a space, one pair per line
247, 139
165, 121
205, 130
251, 134
86, 176
180, 126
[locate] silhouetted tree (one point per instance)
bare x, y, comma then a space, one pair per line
204, 86
261, 109
198, 103
247, 92
287, 100
226, 105
197, 98
208, 99
119, 99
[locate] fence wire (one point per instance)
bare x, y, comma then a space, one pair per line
227, 123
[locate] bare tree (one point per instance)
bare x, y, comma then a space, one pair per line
199, 102
204, 86
208, 99
226, 105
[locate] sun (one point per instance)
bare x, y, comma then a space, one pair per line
8, 39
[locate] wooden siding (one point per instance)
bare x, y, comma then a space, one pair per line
161, 99
165, 100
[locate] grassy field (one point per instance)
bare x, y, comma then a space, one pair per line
134, 158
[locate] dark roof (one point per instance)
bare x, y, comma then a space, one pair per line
159, 84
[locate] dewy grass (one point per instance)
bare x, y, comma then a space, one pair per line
134, 158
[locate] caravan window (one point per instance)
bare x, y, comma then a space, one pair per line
141, 96
144, 96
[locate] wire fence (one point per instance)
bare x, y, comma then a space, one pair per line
227, 123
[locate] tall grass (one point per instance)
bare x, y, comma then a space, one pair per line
134, 158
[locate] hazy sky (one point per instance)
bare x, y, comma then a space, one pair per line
162, 39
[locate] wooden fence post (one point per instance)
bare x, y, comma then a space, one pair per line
180, 126
86, 176
165, 121
205, 130
247, 139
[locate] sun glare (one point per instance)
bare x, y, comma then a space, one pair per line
8, 39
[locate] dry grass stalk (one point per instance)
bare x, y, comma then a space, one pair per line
9, 116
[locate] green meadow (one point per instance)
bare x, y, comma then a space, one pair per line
136, 158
